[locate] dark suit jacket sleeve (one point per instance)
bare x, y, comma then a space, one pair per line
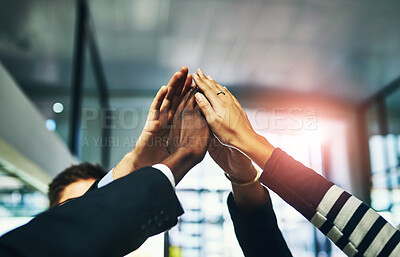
349, 223
110, 221
258, 232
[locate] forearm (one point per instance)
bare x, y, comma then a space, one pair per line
249, 198
349, 223
180, 163
257, 230
133, 161
294, 182
125, 166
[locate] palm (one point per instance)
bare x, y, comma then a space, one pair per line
153, 140
151, 145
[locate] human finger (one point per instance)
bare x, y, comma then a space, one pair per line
181, 83
229, 93
180, 92
156, 104
206, 108
174, 84
183, 102
188, 84
210, 91
191, 101
209, 80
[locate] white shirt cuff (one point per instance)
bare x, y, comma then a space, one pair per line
167, 172
108, 178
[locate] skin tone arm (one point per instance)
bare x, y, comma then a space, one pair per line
228, 121
150, 147
239, 167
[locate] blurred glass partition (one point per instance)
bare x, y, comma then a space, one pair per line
18, 199
19, 202
393, 113
206, 228
384, 146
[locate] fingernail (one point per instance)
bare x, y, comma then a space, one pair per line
198, 97
200, 71
209, 77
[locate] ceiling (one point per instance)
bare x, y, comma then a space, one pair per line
343, 49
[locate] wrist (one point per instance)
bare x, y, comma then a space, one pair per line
140, 157
186, 154
250, 198
180, 162
244, 182
125, 166
241, 140
132, 158
244, 175
257, 148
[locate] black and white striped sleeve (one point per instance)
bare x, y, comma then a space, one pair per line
353, 226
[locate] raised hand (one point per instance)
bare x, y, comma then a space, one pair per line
150, 147
223, 112
189, 138
228, 121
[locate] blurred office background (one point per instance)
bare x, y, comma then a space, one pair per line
320, 79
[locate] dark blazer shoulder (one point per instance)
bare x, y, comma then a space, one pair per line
109, 221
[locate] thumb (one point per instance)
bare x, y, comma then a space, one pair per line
205, 108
